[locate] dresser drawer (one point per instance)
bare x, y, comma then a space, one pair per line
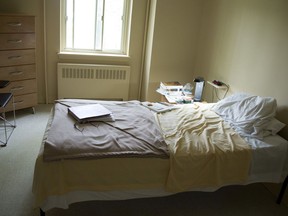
17, 57
22, 101
15, 24
21, 87
17, 41
15, 73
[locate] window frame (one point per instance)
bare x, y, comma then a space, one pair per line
126, 28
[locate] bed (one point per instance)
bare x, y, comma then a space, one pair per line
196, 147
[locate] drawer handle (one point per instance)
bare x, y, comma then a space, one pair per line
17, 88
14, 41
14, 24
14, 73
18, 102
14, 57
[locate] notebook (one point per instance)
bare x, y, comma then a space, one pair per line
90, 112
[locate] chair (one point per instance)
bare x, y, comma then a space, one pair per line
5, 98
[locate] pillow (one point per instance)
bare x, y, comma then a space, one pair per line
273, 127
249, 115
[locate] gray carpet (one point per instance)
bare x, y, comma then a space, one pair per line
17, 161
16, 176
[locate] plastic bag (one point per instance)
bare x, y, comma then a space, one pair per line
187, 89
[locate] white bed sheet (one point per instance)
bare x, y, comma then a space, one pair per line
269, 159
269, 164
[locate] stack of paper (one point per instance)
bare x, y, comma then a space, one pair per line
171, 88
159, 107
90, 113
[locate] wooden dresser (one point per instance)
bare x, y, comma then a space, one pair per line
17, 59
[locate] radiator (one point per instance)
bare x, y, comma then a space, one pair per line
89, 81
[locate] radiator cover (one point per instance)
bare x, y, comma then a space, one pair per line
91, 81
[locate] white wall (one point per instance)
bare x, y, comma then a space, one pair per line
175, 39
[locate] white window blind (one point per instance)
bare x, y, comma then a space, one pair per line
95, 26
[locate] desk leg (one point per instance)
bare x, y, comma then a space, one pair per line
282, 191
42, 213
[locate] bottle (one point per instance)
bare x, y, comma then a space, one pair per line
187, 89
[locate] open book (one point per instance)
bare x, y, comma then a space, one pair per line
90, 112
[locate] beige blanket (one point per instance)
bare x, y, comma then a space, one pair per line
205, 151
133, 134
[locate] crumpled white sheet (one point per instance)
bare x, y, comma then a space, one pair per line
204, 150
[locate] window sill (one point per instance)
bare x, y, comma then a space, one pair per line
94, 57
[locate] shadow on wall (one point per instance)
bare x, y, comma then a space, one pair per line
283, 117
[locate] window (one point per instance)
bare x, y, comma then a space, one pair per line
95, 26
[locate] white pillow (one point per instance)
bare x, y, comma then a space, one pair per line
249, 115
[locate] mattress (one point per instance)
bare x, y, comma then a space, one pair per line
60, 183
